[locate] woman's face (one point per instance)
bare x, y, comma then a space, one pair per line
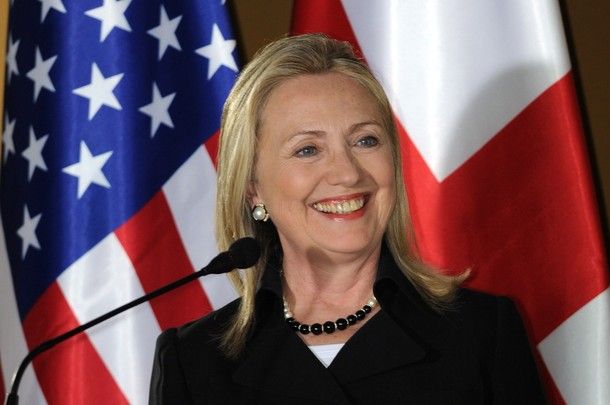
324, 166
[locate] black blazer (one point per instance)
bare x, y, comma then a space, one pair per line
476, 353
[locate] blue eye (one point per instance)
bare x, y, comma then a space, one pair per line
306, 151
368, 142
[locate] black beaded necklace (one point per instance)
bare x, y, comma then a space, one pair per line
328, 326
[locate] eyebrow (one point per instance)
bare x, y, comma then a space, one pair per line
364, 124
318, 133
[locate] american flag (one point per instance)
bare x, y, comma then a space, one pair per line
108, 184
495, 162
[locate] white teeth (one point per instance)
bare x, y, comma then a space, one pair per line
343, 207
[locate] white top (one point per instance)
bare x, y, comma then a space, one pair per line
326, 353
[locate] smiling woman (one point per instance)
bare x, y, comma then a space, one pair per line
339, 309
282, 116
324, 170
325, 173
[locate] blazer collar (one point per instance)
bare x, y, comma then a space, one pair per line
377, 347
387, 271
405, 331
277, 360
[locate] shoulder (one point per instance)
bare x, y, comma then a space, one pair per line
197, 343
489, 316
483, 307
193, 350
502, 345
188, 358
491, 322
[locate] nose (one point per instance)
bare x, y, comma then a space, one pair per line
343, 168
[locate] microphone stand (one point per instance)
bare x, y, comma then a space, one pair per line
13, 399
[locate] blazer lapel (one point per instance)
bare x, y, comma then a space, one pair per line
277, 361
404, 332
379, 346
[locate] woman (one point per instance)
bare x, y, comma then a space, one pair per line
338, 309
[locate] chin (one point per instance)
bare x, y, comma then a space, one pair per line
359, 246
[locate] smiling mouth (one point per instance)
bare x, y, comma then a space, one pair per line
340, 207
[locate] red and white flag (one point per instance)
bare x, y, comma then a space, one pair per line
495, 162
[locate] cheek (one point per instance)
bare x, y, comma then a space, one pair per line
382, 171
383, 174
286, 188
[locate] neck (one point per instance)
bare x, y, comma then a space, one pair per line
317, 283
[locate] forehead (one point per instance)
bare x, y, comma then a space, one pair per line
319, 100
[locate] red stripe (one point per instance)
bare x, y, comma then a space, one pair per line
211, 144
72, 372
2, 390
155, 248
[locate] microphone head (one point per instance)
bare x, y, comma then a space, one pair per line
245, 252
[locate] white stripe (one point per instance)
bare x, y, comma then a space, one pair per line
102, 279
577, 354
13, 346
457, 72
191, 194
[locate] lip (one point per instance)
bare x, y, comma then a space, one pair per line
344, 217
342, 198
338, 199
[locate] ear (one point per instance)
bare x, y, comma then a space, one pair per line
252, 194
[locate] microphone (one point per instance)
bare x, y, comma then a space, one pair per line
242, 253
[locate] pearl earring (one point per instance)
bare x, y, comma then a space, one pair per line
259, 213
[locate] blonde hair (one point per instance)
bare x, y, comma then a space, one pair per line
241, 118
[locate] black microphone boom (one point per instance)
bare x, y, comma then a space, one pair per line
242, 253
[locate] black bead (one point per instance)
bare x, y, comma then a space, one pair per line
329, 327
304, 329
341, 323
295, 325
367, 309
290, 320
351, 319
316, 329
360, 314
